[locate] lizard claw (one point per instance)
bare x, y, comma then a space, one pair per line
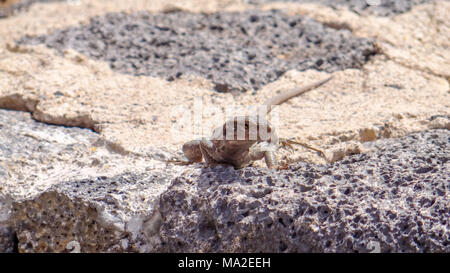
180, 162
283, 166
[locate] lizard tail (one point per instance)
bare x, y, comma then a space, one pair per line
293, 93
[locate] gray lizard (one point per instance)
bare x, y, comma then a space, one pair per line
244, 139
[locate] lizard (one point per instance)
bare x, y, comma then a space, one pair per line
242, 139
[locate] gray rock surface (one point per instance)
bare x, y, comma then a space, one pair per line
21, 6
29, 149
236, 51
107, 214
64, 189
32, 154
7, 240
374, 7
393, 199
7, 233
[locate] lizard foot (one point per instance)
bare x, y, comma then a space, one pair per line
283, 166
181, 162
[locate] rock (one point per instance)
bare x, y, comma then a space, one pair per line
7, 232
108, 187
139, 113
113, 214
378, 8
10, 7
237, 51
7, 239
391, 200
61, 190
34, 155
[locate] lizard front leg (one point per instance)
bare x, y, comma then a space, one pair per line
267, 151
196, 150
271, 161
192, 150
192, 153
209, 152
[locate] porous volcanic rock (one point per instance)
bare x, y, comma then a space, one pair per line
65, 189
393, 199
105, 214
235, 50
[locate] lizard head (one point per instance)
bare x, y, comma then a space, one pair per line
244, 131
